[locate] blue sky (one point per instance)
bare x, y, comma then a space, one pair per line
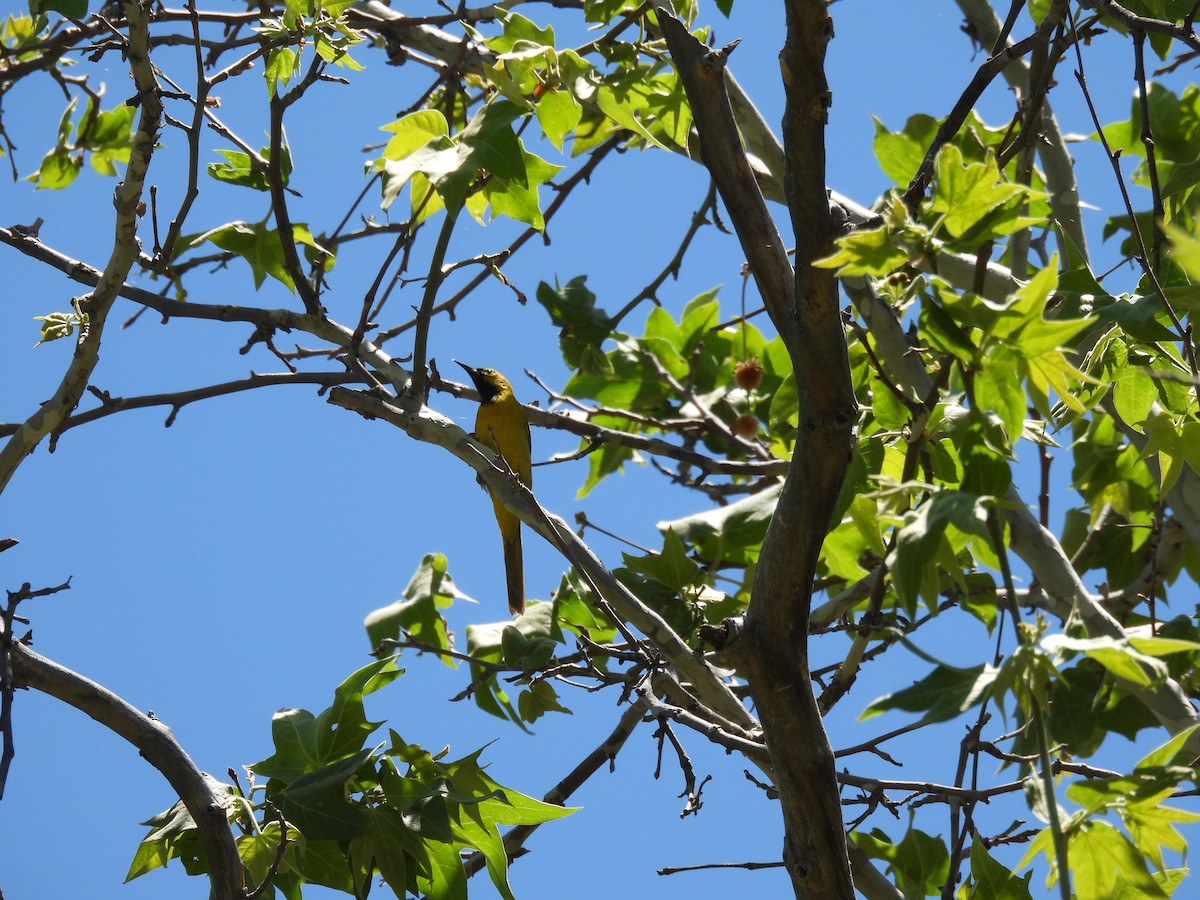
222, 568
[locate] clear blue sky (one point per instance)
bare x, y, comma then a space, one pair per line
222, 567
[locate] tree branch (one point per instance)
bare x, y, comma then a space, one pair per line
804, 308
200, 793
606, 751
1041, 551
128, 195
1051, 148
702, 72
428, 426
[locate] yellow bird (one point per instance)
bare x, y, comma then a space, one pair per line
501, 425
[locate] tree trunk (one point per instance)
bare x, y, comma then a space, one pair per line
803, 305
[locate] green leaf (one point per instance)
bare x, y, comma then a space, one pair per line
920, 862
282, 64
1163, 754
1185, 250
521, 35
1115, 654
446, 879
473, 830
700, 315
1073, 718
150, 855
528, 652
156, 848
488, 142
923, 534
575, 610
1134, 393
260, 247
259, 851
508, 807
1103, 860
605, 10
452, 165
294, 735
865, 253
1152, 827
343, 727
388, 838
58, 169
974, 202
942, 695
316, 802
558, 112
72, 9
414, 131
622, 105
417, 613
900, 153
540, 699
605, 461
1038, 9
661, 327
993, 881
109, 139
239, 168
59, 325
304, 742
720, 533
324, 863
518, 198
486, 643
1040, 344
672, 567
944, 333
629, 382
333, 45
583, 325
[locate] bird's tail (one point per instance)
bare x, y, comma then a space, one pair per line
514, 570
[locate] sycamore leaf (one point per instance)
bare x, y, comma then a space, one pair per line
558, 112
1115, 654
1103, 859
518, 199
238, 168
865, 253
1185, 250
672, 567
261, 248
975, 203
1041, 344
417, 612
1162, 755
992, 880
623, 104
943, 694
923, 534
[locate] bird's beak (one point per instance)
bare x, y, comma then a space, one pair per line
472, 372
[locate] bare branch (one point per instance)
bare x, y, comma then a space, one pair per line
51, 414
203, 797
702, 73
606, 751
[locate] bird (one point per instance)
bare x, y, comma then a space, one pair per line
502, 426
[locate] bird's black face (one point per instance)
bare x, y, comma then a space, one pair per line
488, 382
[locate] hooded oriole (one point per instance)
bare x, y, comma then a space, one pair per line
501, 425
